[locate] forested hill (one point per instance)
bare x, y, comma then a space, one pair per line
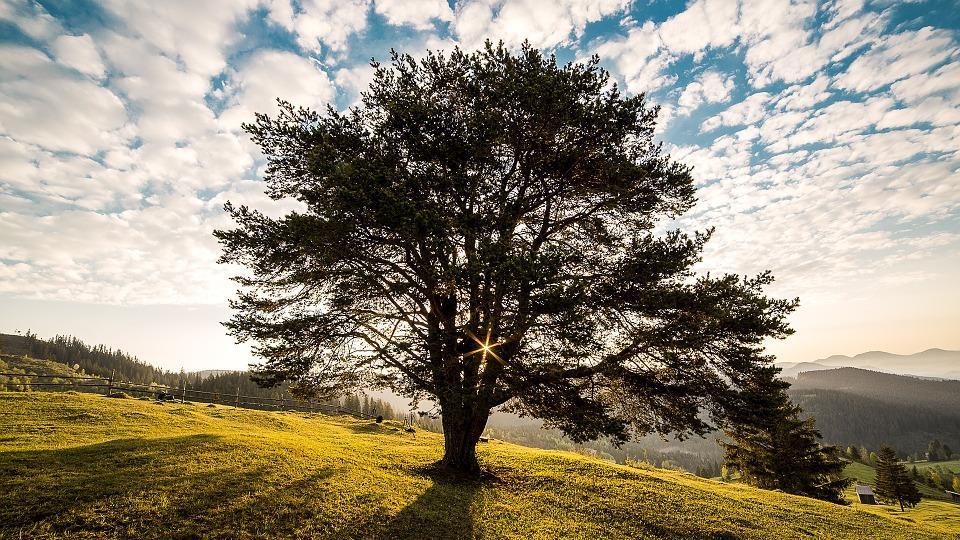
860, 407
93, 359
98, 360
938, 395
102, 361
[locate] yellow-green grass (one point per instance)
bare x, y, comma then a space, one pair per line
87, 466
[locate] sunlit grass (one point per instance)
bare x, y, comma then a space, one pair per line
86, 466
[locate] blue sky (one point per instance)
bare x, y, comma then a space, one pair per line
825, 138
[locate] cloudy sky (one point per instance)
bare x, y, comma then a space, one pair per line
825, 138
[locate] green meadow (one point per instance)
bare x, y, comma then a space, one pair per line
87, 466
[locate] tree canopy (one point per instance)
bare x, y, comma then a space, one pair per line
492, 229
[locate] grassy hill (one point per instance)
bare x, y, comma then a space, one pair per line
87, 466
28, 366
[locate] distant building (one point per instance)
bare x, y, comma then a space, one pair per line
865, 494
954, 496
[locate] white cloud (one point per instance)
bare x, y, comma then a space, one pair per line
933, 110
194, 33
34, 107
750, 110
268, 75
777, 36
711, 87
944, 81
354, 80
544, 24
319, 23
638, 58
419, 14
30, 17
804, 95
79, 53
897, 57
705, 23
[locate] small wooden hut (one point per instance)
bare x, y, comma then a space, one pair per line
865, 494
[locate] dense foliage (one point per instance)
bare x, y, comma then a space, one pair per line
481, 230
771, 446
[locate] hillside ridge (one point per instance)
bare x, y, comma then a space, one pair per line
84, 465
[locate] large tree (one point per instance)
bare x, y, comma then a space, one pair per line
491, 229
773, 447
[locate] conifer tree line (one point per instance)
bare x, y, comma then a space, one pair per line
101, 361
936, 451
908, 426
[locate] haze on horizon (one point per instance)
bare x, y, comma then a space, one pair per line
825, 136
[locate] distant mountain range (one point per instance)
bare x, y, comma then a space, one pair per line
931, 363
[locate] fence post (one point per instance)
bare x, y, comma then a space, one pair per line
110, 384
183, 392
237, 406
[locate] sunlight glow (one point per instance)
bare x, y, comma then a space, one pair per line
485, 347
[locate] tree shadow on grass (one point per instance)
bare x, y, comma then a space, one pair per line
449, 508
174, 487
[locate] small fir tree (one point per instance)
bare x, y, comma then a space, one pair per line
893, 482
956, 484
772, 447
935, 450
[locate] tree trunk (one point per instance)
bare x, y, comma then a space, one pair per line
461, 432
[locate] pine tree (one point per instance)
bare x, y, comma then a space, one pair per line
893, 482
774, 448
484, 226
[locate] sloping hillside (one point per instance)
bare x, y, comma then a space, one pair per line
86, 466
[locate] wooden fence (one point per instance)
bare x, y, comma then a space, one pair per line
182, 394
